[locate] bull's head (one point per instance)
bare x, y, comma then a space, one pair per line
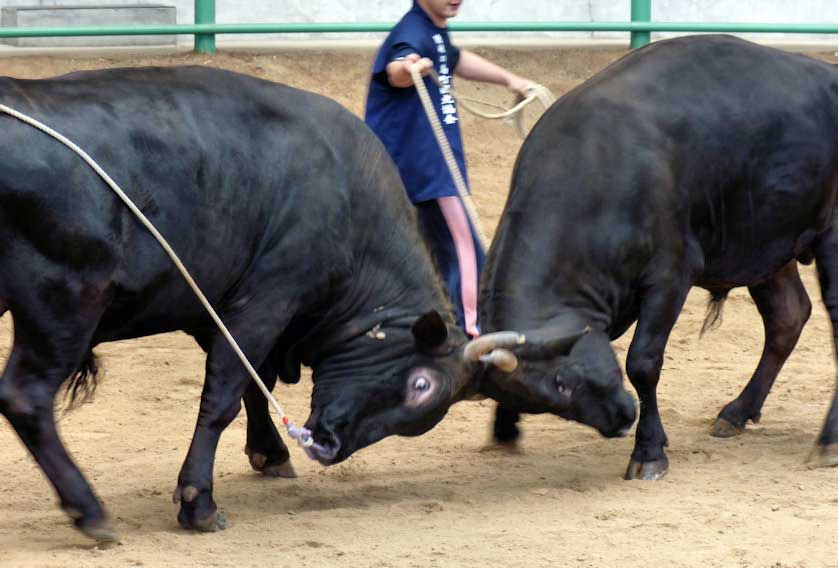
572, 373
395, 380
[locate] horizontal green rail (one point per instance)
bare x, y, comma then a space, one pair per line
190, 29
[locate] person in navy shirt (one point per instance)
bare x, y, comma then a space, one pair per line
395, 113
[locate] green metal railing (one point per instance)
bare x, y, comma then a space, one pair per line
641, 11
204, 14
205, 29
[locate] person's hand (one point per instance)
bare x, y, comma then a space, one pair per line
425, 64
398, 70
520, 86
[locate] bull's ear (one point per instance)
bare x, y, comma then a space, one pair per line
429, 332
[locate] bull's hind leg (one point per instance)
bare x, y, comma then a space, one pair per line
52, 334
659, 311
265, 449
785, 307
826, 258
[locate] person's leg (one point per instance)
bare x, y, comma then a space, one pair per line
466, 249
457, 253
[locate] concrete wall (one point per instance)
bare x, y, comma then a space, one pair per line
75, 16
240, 11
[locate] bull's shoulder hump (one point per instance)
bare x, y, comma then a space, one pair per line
686, 72
206, 89
145, 81
694, 55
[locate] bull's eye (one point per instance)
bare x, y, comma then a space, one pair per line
421, 384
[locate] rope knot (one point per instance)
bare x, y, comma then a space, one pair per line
301, 434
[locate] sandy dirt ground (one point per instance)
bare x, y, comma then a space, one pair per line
437, 500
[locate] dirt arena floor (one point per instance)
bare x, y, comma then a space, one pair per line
437, 501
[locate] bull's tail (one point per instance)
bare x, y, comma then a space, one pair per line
83, 382
715, 306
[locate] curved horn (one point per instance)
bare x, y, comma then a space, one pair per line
485, 344
503, 359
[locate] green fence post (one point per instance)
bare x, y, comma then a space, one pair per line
641, 11
205, 14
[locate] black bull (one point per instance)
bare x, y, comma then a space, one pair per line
703, 161
290, 216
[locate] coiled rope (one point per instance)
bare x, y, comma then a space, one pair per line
538, 92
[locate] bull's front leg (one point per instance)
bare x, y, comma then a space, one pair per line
225, 383
265, 449
505, 431
659, 311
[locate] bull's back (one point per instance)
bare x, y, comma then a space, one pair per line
230, 169
176, 126
708, 138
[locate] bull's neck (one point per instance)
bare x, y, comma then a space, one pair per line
391, 284
403, 285
524, 298
539, 310
389, 265
387, 278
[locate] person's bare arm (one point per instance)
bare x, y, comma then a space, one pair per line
475, 68
398, 72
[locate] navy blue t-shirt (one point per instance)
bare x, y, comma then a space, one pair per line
396, 114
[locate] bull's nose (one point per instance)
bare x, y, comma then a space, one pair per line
326, 450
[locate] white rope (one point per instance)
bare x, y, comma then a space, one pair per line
302, 435
536, 93
447, 153
539, 93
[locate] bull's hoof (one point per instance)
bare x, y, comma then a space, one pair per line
823, 456
647, 471
266, 465
511, 447
284, 470
725, 429
213, 523
197, 510
102, 533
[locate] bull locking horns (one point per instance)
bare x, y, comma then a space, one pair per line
503, 359
492, 349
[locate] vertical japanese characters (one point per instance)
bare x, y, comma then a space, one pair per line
447, 104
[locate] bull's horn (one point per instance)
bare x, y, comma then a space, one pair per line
485, 344
503, 359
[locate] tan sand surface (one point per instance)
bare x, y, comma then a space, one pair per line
437, 501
